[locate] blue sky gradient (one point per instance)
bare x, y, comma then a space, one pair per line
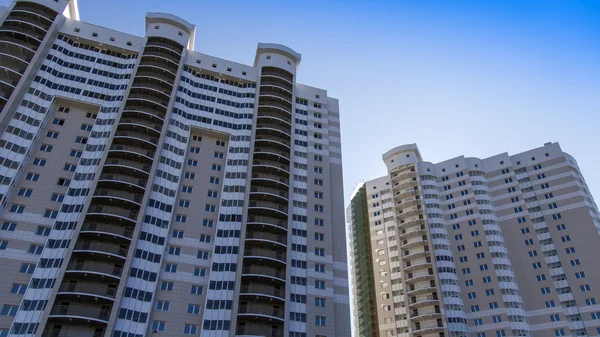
456, 77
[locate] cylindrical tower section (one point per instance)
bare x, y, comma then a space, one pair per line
85, 302
419, 276
262, 301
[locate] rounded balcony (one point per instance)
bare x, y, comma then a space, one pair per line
143, 130
275, 91
145, 145
277, 72
107, 231
269, 194
143, 151
153, 83
263, 273
271, 153
268, 129
31, 17
412, 244
91, 313
265, 239
149, 95
274, 142
409, 223
271, 167
129, 160
93, 248
160, 63
80, 288
429, 301
420, 291
407, 234
276, 82
9, 76
12, 58
415, 255
417, 266
120, 198
429, 330
126, 174
169, 45
265, 254
100, 269
267, 224
160, 51
127, 120
277, 114
19, 40
34, 8
272, 180
165, 77
114, 211
35, 34
252, 291
275, 102
265, 208
250, 328
122, 182
260, 311
418, 278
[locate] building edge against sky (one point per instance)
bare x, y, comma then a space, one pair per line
148, 187
503, 246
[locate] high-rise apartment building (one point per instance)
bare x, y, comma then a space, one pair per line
150, 190
494, 247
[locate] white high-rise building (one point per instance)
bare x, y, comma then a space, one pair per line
503, 246
147, 189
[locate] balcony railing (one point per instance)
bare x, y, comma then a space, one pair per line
81, 311
264, 271
259, 252
107, 228
255, 288
88, 288
95, 267
96, 246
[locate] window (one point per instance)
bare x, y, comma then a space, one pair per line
203, 255
52, 134
199, 272
194, 309
17, 209
320, 302
590, 301
545, 290
320, 321
489, 292
35, 249
585, 287
319, 268
190, 175
559, 332
184, 203
75, 153
170, 268
218, 155
57, 197
81, 140
32, 176
174, 250
177, 234
46, 148
319, 236
9, 310
570, 250
9, 226
39, 162
318, 158
18, 288
554, 318
181, 218
496, 319
192, 162
212, 194
50, 213
194, 149
318, 208
166, 286
318, 182
70, 167
190, 329
210, 208
63, 182
541, 277
205, 238
550, 304
207, 223
162, 306
318, 169
319, 195
157, 325
561, 227
86, 127
186, 189
319, 284
215, 180
500, 333
216, 167
197, 290
319, 252
58, 121
25, 192
3, 245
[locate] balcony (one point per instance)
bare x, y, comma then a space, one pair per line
267, 224
153, 83
10, 61
259, 289
82, 330
114, 231
267, 129
276, 72
261, 312
268, 209
131, 121
31, 17
142, 151
134, 164
270, 180
415, 255
416, 266
431, 329
261, 237
276, 81
35, 8
160, 63
151, 71
270, 194
163, 52
424, 302
119, 194
268, 90
24, 27
419, 278
271, 153
88, 288
81, 312
93, 247
148, 96
257, 329
166, 44
413, 291
122, 181
112, 271
405, 234
114, 211
261, 272
20, 40
262, 253
276, 102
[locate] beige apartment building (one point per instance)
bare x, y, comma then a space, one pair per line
503, 246
147, 189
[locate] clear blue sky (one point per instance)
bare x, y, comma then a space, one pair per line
456, 77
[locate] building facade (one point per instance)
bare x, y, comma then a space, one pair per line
150, 190
494, 247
